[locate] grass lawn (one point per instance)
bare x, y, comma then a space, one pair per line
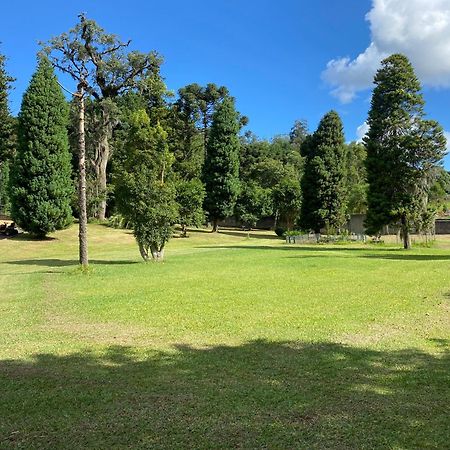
231, 343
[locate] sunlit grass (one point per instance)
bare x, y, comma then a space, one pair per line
234, 341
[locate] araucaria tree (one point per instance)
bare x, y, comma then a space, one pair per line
221, 169
145, 190
323, 183
41, 187
403, 149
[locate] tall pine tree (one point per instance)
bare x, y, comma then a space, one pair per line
221, 169
6, 135
41, 186
323, 183
402, 149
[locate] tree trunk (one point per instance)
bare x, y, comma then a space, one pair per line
405, 234
83, 238
102, 156
157, 253
143, 251
215, 226
183, 230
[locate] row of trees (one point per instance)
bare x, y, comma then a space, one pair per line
136, 149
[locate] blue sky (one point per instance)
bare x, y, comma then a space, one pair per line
273, 56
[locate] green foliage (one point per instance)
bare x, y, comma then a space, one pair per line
5, 203
119, 221
254, 203
145, 190
7, 136
41, 187
221, 171
356, 178
439, 194
403, 149
298, 133
287, 198
323, 182
6, 121
190, 198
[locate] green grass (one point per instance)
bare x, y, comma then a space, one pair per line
231, 343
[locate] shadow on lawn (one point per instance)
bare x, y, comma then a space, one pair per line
257, 395
379, 252
53, 262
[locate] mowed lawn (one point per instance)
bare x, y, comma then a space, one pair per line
231, 343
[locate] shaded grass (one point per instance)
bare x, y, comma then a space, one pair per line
233, 342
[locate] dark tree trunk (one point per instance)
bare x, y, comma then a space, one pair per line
83, 238
183, 230
215, 228
405, 234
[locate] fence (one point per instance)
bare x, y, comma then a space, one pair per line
315, 238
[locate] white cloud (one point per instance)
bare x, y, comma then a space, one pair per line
420, 29
447, 136
361, 131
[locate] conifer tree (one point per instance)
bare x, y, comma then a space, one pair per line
41, 185
403, 149
221, 169
323, 183
6, 135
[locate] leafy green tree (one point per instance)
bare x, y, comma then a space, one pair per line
145, 190
298, 133
221, 171
323, 183
439, 195
254, 203
41, 186
287, 198
190, 198
7, 134
402, 149
356, 178
108, 70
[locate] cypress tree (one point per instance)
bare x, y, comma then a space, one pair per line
6, 135
402, 149
221, 170
41, 186
323, 183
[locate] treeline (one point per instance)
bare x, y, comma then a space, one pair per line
146, 156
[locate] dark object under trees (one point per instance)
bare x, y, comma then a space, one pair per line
41, 186
221, 169
403, 150
323, 182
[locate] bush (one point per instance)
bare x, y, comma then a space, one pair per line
280, 231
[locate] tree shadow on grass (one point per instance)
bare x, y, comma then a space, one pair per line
250, 234
54, 262
257, 395
347, 251
29, 238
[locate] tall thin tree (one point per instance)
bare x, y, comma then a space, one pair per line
221, 170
